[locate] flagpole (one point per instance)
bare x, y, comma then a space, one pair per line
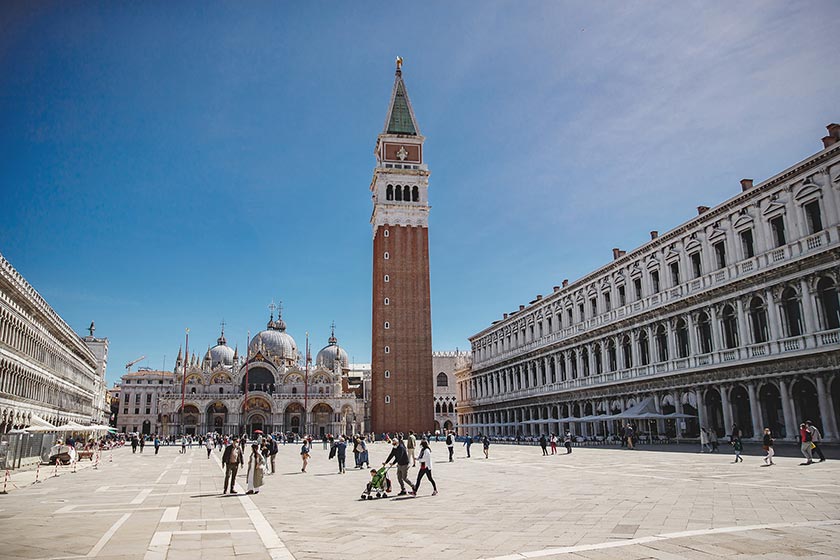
306, 389
247, 360
184, 379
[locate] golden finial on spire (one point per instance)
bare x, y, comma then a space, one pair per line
399, 63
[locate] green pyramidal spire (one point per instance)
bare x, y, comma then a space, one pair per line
400, 117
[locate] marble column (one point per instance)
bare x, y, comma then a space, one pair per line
755, 411
743, 330
809, 312
679, 409
788, 412
829, 426
701, 408
727, 409
774, 323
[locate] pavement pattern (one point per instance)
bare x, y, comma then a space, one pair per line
593, 503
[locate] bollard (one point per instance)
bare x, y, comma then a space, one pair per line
5, 482
110, 455
74, 467
96, 462
55, 474
38, 473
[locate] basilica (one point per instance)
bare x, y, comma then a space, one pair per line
273, 388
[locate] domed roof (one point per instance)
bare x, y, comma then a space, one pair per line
274, 342
327, 356
221, 353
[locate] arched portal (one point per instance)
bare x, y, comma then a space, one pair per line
714, 409
258, 378
293, 418
189, 419
741, 411
806, 402
147, 427
322, 414
771, 408
256, 412
217, 414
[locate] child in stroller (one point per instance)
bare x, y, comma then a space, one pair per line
379, 484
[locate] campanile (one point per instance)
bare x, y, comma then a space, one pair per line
402, 392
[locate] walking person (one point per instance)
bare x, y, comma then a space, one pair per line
341, 453
467, 443
485, 443
183, 444
767, 442
304, 454
208, 443
232, 459
142, 443
256, 469
357, 451
738, 446
544, 445
553, 442
628, 435
816, 438
134, 443
805, 444
364, 459
399, 457
567, 441
704, 441
713, 440
450, 444
272, 451
425, 460
410, 446
157, 444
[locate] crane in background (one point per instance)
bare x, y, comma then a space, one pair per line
129, 364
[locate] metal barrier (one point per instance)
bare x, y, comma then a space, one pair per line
17, 450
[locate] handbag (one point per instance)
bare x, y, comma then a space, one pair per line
813, 445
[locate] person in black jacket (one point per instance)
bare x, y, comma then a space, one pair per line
232, 459
544, 444
399, 455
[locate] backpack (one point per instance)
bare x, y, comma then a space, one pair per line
449, 439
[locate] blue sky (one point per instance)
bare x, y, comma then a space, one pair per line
169, 165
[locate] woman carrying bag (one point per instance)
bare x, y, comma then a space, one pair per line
256, 469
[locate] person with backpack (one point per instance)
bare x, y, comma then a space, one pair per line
738, 446
467, 443
450, 444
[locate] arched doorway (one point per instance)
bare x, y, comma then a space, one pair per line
322, 419
689, 405
189, 419
293, 418
714, 410
668, 407
771, 408
147, 428
257, 414
806, 402
216, 417
741, 412
835, 395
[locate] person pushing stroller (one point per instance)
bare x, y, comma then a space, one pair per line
399, 455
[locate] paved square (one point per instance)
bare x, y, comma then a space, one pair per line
594, 503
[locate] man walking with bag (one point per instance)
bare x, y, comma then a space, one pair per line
399, 455
232, 459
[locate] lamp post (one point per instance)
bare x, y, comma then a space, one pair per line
184, 379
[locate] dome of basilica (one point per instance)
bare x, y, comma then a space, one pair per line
327, 356
221, 354
274, 342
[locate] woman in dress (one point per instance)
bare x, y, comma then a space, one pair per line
425, 460
256, 468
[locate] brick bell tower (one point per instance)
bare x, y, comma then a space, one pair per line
402, 391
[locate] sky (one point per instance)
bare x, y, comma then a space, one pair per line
166, 165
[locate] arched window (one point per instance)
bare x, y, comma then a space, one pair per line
791, 312
437, 408
192, 391
758, 320
584, 357
451, 406
828, 303
599, 363
644, 348
611, 355
682, 338
399, 193
442, 380
704, 330
661, 344
294, 390
552, 364
221, 390
407, 193
389, 192
573, 360
730, 327
627, 351
415, 194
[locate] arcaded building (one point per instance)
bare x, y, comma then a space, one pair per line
48, 373
401, 341
731, 318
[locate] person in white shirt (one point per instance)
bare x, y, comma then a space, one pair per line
425, 460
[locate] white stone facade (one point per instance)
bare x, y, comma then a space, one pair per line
46, 369
730, 318
444, 366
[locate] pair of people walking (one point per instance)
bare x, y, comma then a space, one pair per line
232, 459
399, 457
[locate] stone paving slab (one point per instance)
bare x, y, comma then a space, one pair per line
595, 503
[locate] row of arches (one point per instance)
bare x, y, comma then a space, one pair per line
728, 326
402, 193
780, 404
